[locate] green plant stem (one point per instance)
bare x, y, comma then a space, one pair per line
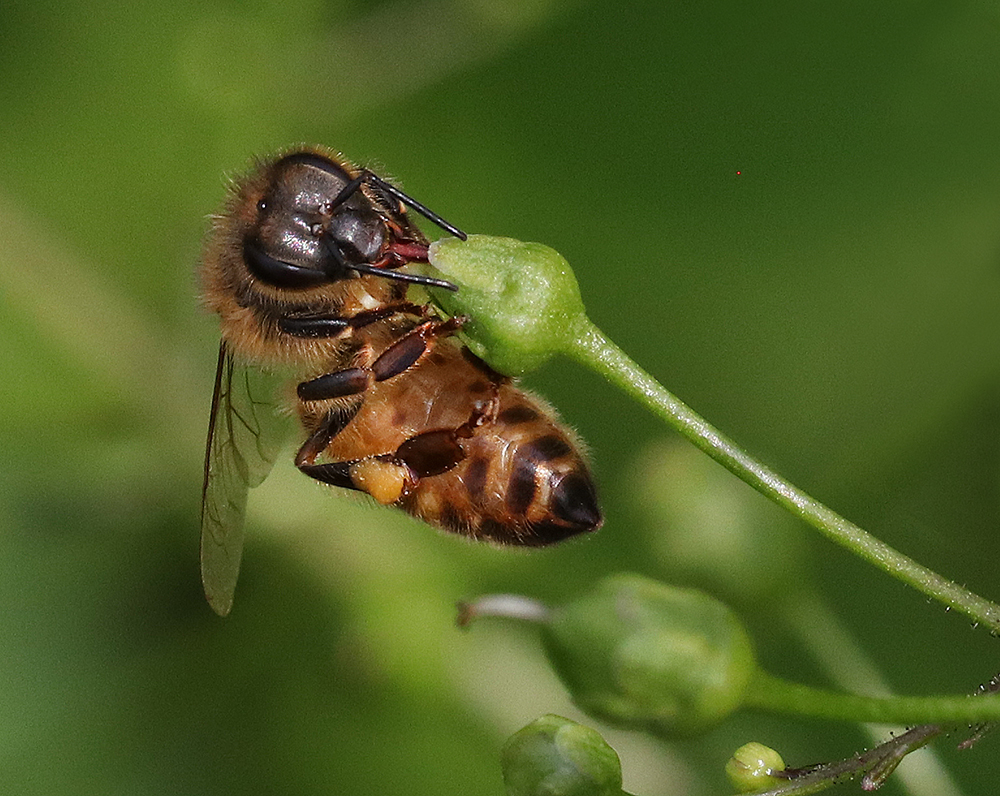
766, 692
590, 347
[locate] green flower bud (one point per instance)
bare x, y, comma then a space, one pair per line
642, 654
522, 300
751, 766
554, 756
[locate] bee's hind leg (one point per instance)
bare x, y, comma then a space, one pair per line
336, 473
382, 477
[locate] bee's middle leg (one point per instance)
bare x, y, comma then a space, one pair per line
397, 358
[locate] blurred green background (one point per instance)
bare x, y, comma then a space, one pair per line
787, 211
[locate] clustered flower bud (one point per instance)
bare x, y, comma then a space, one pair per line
522, 299
642, 654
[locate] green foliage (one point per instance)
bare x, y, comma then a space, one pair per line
787, 212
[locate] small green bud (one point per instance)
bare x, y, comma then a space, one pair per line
750, 769
522, 299
642, 654
554, 756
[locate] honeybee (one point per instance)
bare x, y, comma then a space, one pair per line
303, 269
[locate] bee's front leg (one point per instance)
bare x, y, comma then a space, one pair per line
317, 327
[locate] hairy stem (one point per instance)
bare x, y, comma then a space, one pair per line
590, 347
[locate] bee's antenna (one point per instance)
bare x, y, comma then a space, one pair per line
425, 211
392, 190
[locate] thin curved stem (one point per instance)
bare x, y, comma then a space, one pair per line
776, 695
590, 347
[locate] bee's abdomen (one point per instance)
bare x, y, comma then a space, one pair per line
522, 480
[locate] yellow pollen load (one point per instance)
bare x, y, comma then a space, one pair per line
429, 503
382, 480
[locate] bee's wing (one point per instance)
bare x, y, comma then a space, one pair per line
245, 434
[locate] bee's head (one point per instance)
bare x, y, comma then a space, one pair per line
317, 221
